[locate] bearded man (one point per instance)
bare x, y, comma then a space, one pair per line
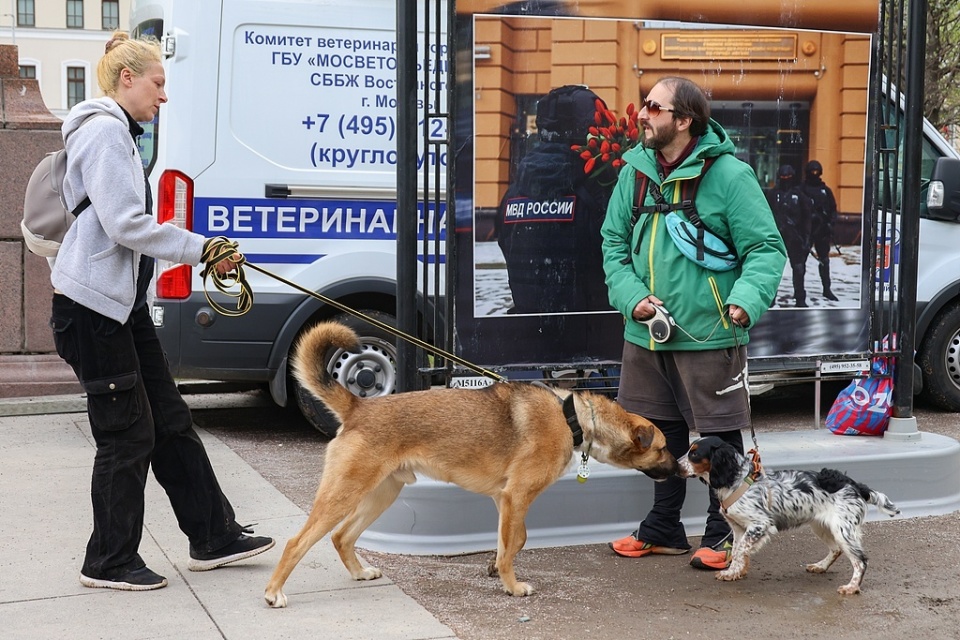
695, 380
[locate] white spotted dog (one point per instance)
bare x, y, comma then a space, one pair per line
758, 505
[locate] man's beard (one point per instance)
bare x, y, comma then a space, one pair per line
661, 137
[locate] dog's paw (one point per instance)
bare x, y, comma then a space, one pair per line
368, 573
849, 590
277, 601
816, 568
519, 590
730, 576
492, 570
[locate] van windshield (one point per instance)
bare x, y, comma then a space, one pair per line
148, 141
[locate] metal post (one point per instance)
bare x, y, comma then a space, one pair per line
903, 424
406, 191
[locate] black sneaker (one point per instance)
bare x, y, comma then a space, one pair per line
240, 549
141, 579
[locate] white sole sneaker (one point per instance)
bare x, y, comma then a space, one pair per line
206, 565
123, 585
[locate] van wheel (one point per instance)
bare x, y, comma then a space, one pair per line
370, 373
939, 360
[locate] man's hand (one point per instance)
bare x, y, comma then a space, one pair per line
645, 308
738, 316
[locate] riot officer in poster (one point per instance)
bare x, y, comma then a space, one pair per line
548, 222
823, 215
792, 211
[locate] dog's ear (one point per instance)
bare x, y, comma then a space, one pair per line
724, 466
645, 434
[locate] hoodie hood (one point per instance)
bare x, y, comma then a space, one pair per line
89, 107
714, 142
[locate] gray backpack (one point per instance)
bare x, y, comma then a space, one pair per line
46, 216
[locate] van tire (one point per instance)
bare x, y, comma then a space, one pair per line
376, 365
939, 359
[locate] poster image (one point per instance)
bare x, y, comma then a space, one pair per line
793, 101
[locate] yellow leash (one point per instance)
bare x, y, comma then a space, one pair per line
222, 249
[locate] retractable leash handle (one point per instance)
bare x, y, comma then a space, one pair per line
221, 248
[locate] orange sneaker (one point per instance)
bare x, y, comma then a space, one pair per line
712, 559
630, 547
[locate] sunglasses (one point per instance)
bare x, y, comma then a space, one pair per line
654, 108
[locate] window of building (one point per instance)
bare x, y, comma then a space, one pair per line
26, 14
76, 86
28, 72
110, 13
75, 14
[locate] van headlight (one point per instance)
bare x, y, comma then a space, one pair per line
935, 194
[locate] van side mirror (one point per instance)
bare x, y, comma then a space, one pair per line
943, 191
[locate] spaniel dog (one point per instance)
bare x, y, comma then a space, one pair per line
757, 505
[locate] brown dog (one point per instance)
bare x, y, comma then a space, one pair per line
509, 441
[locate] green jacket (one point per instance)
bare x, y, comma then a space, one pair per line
731, 203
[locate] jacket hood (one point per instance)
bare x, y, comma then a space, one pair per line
87, 108
714, 142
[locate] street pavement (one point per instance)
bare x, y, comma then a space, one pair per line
46, 457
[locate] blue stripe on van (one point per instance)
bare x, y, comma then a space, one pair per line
310, 258
286, 258
328, 219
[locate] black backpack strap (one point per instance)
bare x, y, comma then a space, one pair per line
688, 196
640, 187
641, 184
83, 204
687, 204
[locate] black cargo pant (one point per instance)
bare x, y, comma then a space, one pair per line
662, 525
137, 418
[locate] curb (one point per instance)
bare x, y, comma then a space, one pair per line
196, 395
42, 405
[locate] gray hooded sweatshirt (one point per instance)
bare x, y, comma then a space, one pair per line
99, 257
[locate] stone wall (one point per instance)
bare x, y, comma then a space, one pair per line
29, 364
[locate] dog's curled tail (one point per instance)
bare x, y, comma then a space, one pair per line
309, 365
883, 503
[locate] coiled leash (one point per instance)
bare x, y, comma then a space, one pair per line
220, 248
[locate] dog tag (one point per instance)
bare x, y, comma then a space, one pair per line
583, 472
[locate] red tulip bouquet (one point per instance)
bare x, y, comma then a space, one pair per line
608, 140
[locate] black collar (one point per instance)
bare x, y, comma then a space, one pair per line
570, 413
135, 129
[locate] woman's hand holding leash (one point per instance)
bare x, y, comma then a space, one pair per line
223, 262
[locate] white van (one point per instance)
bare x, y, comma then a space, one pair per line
280, 134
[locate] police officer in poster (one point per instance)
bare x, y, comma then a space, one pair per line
548, 222
823, 216
792, 211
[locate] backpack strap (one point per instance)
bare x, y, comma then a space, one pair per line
687, 204
83, 204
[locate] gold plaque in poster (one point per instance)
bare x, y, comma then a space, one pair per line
753, 45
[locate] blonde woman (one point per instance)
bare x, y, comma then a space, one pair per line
103, 329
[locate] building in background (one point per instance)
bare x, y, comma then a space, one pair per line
59, 43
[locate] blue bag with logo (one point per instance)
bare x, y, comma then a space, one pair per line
864, 406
